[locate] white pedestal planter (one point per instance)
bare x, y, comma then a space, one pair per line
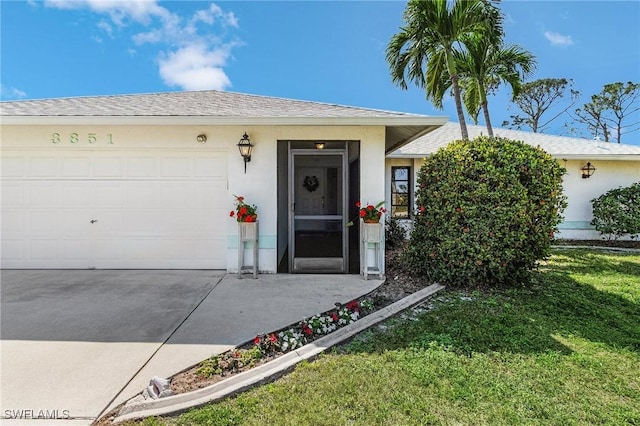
371, 237
248, 233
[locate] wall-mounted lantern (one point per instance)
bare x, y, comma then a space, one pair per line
319, 145
201, 138
245, 146
587, 170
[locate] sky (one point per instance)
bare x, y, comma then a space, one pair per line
326, 51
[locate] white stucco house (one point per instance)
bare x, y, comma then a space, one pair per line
616, 165
147, 181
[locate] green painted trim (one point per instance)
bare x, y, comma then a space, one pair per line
264, 242
576, 224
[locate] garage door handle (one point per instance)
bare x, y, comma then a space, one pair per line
94, 220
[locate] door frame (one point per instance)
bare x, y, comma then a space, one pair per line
318, 265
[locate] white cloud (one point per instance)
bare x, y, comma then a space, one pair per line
196, 67
192, 51
558, 39
11, 92
118, 10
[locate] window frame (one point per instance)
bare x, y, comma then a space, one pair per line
409, 193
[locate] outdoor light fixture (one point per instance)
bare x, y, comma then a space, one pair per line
319, 145
201, 138
587, 170
245, 146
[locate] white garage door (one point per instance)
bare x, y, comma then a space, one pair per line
138, 210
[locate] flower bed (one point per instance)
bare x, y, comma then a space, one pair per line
264, 348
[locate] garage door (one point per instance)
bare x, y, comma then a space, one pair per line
134, 210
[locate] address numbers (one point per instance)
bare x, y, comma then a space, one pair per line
82, 138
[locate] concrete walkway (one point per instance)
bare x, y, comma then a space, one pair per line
77, 343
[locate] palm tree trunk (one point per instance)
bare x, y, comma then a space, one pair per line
456, 95
487, 119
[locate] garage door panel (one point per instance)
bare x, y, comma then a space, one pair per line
142, 195
74, 194
213, 167
76, 167
108, 167
43, 194
13, 252
13, 166
44, 249
178, 195
142, 167
151, 210
13, 223
43, 167
13, 194
74, 222
173, 167
75, 252
107, 195
44, 222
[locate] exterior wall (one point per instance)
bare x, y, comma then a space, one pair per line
258, 185
579, 191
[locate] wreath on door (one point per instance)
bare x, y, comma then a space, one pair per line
311, 183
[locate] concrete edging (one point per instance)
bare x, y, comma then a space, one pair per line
272, 369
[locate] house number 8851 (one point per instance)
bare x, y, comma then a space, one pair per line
77, 138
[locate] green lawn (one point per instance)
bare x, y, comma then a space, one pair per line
562, 351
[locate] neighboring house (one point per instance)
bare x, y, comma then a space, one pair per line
147, 181
615, 165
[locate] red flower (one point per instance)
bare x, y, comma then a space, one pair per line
257, 340
306, 330
370, 207
273, 338
363, 213
334, 316
240, 199
232, 213
358, 204
242, 211
422, 209
353, 305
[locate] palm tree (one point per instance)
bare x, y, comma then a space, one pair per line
434, 30
483, 66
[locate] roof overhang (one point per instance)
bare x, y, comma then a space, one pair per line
583, 157
399, 130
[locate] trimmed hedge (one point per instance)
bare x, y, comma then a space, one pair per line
486, 213
617, 212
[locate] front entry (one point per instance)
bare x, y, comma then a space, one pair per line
318, 183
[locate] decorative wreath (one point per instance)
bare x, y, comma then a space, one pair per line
311, 183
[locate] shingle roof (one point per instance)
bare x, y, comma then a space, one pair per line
208, 103
212, 107
558, 146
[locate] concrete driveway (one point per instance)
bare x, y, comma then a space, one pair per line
75, 344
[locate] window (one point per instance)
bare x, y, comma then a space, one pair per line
401, 192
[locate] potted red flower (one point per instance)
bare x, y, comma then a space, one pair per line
371, 213
244, 212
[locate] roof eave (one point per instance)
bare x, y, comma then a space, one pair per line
222, 121
585, 157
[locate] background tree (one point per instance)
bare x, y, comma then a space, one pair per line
433, 31
536, 98
605, 114
483, 66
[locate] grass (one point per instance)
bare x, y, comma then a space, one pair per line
564, 350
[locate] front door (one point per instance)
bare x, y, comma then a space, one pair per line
317, 197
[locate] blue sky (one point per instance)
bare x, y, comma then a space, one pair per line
311, 50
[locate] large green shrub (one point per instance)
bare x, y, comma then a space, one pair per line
486, 212
617, 212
